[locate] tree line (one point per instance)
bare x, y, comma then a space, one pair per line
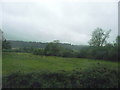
98, 48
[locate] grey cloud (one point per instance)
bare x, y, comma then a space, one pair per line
67, 22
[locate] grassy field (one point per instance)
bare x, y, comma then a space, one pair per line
104, 71
26, 62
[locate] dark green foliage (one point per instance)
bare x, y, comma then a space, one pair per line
55, 49
38, 52
52, 49
108, 52
27, 49
96, 77
6, 44
64, 52
117, 45
83, 52
100, 77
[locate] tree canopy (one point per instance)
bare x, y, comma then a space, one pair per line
99, 37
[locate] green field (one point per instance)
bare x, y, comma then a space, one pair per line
29, 70
26, 62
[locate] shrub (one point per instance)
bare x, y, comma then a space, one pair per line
38, 52
94, 77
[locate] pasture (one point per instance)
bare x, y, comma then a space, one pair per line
26, 62
55, 72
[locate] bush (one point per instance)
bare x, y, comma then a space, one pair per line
38, 52
108, 52
95, 77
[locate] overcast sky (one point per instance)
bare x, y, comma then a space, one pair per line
71, 22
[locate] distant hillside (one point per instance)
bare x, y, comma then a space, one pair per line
23, 44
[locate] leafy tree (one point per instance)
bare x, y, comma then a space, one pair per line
117, 47
52, 48
99, 37
118, 40
38, 52
64, 52
6, 44
83, 53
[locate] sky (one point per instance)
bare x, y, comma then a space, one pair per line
68, 21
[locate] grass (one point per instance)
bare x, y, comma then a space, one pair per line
26, 63
24, 70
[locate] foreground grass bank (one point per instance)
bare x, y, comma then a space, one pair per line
29, 70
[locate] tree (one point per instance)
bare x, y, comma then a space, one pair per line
117, 46
52, 48
118, 40
5, 43
38, 51
99, 37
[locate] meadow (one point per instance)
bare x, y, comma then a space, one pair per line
26, 62
74, 72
